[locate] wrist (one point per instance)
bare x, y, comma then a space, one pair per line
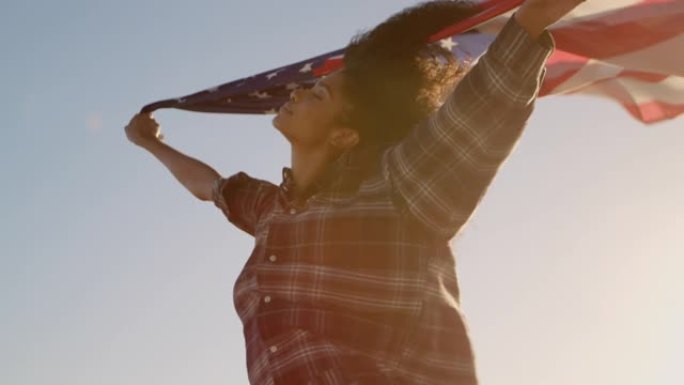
149, 144
529, 23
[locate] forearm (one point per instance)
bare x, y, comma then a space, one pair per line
444, 166
512, 69
195, 175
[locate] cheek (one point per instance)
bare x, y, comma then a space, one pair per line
309, 116
312, 133
320, 117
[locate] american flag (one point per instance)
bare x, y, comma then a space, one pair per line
631, 51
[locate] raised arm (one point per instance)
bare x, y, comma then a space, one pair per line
442, 169
194, 175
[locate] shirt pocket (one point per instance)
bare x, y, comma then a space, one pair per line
303, 357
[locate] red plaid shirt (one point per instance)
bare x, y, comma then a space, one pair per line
357, 284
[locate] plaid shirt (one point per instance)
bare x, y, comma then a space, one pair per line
357, 283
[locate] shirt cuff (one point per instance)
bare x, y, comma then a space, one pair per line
516, 50
217, 193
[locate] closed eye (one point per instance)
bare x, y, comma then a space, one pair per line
315, 94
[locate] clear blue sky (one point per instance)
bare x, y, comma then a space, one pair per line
112, 273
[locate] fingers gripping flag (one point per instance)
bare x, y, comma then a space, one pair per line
631, 51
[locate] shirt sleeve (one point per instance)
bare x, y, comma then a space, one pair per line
440, 171
243, 199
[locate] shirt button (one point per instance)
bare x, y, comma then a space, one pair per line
272, 258
273, 349
267, 299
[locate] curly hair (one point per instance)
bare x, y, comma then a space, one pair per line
393, 77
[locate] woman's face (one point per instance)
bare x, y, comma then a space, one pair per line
310, 119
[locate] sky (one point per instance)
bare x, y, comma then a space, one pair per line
113, 273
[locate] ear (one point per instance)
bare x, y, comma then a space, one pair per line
343, 138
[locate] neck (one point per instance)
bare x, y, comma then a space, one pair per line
307, 166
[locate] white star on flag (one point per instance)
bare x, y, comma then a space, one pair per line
260, 95
306, 68
448, 43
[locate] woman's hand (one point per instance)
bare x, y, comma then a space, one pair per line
536, 15
143, 129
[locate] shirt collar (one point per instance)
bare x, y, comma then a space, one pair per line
342, 174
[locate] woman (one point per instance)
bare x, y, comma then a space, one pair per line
351, 280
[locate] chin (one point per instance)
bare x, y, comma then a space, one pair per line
275, 122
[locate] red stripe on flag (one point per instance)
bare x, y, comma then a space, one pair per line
328, 66
489, 10
622, 31
643, 76
560, 66
654, 111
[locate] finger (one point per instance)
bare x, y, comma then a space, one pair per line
148, 117
142, 115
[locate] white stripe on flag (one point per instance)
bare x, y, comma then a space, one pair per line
668, 90
592, 9
665, 57
591, 72
646, 101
